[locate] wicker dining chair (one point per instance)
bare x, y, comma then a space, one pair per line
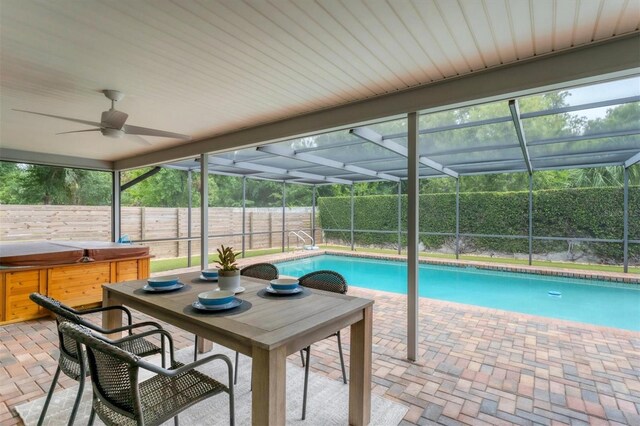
327, 281
118, 397
69, 360
263, 271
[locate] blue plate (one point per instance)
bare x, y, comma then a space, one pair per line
274, 291
233, 304
175, 286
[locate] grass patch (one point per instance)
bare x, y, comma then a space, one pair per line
506, 260
161, 265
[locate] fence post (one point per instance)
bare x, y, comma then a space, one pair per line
178, 231
116, 213
313, 215
270, 230
143, 223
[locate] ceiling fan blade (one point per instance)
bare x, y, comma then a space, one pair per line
135, 130
114, 119
79, 131
138, 139
75, 120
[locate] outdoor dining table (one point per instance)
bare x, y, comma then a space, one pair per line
269, 330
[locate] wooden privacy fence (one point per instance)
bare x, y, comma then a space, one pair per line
40, 222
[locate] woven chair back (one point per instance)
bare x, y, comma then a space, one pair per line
114, 371
263, 271
325, 280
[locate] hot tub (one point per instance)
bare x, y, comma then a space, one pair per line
70, 271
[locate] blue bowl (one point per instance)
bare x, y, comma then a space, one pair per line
284, 284
209, 273
214, 298
160, 282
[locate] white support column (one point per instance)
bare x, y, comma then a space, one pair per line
244, 208
400, 217
189, 218
204, 211
284, 206
313, 215
352, 219
412, 237
116, 219
458, 218
530, 218
625, 236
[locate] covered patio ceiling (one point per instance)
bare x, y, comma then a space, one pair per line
243, 74
506, 139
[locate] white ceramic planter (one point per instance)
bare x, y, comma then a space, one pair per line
228, 280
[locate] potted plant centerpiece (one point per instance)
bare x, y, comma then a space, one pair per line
229, 274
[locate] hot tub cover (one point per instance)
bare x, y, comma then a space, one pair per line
46, 253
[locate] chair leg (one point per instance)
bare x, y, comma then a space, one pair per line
344, 372
92, 417
76, 404
175, 421
46, 402
195, 348
306, 383
235, 373
302, 357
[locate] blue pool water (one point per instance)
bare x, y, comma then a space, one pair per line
588, 301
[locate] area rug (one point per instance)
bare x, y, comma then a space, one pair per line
327, 404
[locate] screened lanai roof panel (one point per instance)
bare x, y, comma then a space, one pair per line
491, 137
595, 146
464, 116
575, 96
382, 165
282, 162
582, 160
323, 141
352, 154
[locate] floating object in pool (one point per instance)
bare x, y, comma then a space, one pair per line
555, 293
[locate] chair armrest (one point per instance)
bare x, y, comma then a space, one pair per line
181, 370
126, 327
102, 309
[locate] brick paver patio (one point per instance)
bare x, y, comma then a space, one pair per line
476, 365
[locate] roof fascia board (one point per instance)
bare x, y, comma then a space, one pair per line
18, 156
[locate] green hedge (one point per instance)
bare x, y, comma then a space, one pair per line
572, 213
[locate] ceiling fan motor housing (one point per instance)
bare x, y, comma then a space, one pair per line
111, 133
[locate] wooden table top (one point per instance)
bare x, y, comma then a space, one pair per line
269, 323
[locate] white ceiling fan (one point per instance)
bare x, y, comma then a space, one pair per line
112, 123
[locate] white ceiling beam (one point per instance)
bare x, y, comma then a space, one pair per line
517, 123
371, 136
633, 160
275, 170
315, 159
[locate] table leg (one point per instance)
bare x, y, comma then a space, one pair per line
360, 370
110, 319
204, 345
268, 380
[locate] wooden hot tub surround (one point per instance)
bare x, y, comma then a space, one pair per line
63, 274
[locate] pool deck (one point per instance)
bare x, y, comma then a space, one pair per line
476, 365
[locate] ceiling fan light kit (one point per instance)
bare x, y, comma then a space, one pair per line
112, 122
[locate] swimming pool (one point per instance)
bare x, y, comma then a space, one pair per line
588, 301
